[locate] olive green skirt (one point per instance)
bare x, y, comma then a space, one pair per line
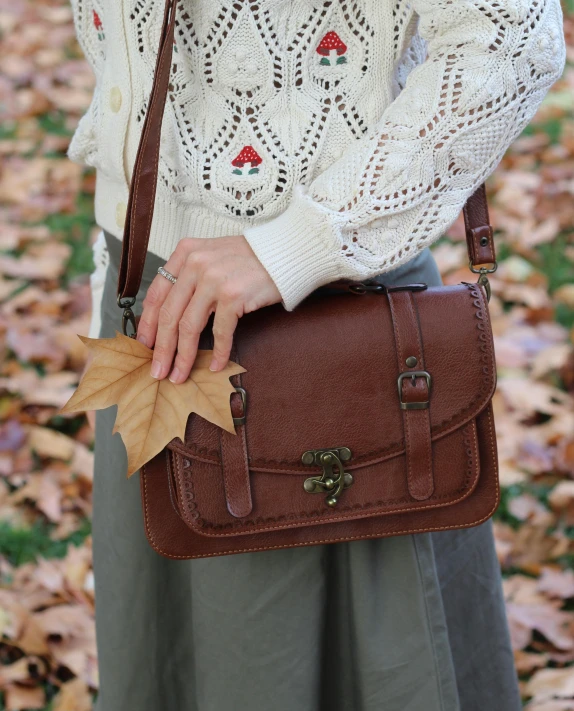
411, 623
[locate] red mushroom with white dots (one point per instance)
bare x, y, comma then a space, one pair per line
332, 49
248, 158
98, 25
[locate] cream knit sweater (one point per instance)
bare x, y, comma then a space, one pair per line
341, 137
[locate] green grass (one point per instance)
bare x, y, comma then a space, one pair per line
560, 271
55, 123
552, 127
24, 545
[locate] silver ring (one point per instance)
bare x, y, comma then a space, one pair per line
167, 275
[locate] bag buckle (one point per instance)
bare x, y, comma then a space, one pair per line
333, 479
243, 394
413, 374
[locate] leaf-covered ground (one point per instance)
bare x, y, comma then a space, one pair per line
47, 648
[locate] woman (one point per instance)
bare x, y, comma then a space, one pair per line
304, 141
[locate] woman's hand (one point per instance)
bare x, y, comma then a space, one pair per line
220, 274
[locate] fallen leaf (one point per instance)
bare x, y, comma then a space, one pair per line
565, 295
49, 443
552, 684
561, 705
527, 507
70, 637
546, 619
151, 412
12, 436
527, 662
561, 498
18, 698
44, 491
26, 669
557, 583
73, 696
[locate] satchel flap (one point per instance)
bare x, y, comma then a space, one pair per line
326, 376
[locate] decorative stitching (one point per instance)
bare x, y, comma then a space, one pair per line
406, 531
377, 456
153, 99
187, 491
471, 428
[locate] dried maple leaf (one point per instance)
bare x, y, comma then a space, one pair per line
151, 412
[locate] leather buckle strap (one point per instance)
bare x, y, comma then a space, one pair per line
234, 457
414, 387
479, 234
415, 404
143, 185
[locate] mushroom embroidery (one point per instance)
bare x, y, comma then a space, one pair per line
332, 50
248, 158
98, 25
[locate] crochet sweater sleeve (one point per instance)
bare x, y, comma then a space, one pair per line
398, 188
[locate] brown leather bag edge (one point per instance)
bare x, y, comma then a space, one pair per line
433, 466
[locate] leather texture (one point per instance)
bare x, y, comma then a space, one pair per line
403, 377
416, 423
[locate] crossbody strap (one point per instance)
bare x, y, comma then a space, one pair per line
479, 236
143, 185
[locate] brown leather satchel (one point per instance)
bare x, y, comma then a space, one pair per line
364, 412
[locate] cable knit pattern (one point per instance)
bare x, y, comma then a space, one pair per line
340, 136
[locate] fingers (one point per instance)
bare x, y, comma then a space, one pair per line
213, 274
191, 325
171, 323
157, 293
224, 325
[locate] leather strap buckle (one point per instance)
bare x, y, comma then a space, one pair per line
413, 374
241, 420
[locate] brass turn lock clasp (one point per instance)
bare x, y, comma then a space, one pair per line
333, 479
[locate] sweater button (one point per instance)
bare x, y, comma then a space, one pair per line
115, 99
121, 212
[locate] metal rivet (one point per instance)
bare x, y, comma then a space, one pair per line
411, 361
345, 454
308, 458
483, 241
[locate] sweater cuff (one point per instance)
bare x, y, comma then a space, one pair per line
297, 249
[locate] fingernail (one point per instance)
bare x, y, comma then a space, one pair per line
156, 369
175, 375
213, 365
142, 339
